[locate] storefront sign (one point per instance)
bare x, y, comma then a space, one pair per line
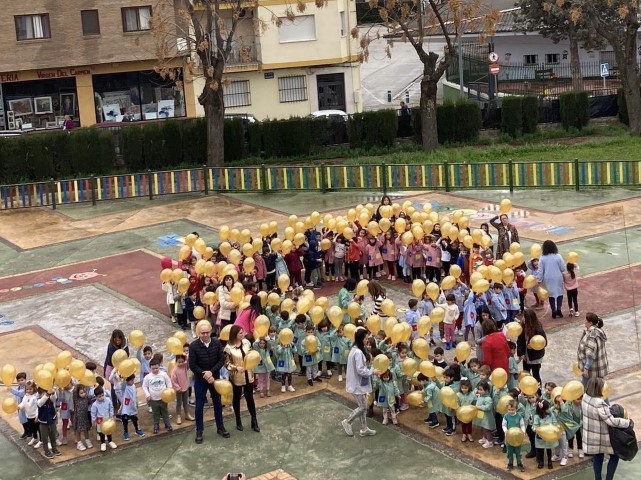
44, 74
9, 77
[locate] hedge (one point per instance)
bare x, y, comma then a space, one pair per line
512, 116
575, 109
234, 134
287, 138
530, 112
446, 123
467, 116
372, 129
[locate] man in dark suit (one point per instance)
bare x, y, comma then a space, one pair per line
205, 361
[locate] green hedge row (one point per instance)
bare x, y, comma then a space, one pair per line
519, 115
575, 109
372, 129
456, 122
37, 157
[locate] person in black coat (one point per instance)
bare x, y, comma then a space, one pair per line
532, 359
206, 358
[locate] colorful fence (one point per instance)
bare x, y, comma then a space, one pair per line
376, 177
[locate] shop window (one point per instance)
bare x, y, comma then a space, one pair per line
343, 15
237, 94
301, 29
90, 22
29, 27
552, 58
292, 89
530, 59
135, 19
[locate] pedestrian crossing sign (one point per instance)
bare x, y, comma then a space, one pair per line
605, 70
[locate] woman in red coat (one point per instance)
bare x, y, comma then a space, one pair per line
496, 351
295, 266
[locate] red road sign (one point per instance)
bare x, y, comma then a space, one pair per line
494, 68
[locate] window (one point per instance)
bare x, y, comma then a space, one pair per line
343, 23
236, 94
301, 29
135, 19
29, 27
530, 59
551, 58
90, 22
292, 89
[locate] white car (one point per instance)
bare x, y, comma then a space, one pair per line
331, 114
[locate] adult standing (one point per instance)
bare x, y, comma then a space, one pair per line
486, 228
591, 354
206, 358
478, 331
242, 380
385, 201
532, 359
247, 318
596, 437
378, 294
358, 383
496, 351
227, 311
507, 234
550, 275
117, 342
345, 297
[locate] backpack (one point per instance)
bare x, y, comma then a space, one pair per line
623, 440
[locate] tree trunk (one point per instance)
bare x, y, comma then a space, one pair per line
575, 63
212, 102
429, 131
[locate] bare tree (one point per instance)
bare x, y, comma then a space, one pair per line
209, 30
411, 20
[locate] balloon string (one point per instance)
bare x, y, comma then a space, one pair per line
634, 302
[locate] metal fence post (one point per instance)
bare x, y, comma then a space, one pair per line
52, 187
263, 177
510, 175
92, 179
150, 184
205, 179
384, 168
577, 180
323, 179
446, 176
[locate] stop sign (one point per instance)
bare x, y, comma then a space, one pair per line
494, 68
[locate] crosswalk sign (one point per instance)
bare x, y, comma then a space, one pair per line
605, 70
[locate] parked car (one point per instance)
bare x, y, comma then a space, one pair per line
330, 114
10, 133
245, 117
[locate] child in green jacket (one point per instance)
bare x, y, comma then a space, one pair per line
265, 367
325, 339
432, 399
465, 396
544, 416
285, 365
486, 422
340, 350
310, 360
387, 393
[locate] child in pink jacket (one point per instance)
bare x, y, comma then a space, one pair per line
180, 383
390, 254
374, 257
415, 259
432, 261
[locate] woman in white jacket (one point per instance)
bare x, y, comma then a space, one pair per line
227, 311
29, 405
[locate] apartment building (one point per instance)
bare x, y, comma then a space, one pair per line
90, 59
308, 63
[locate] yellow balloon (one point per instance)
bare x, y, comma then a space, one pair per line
481, 286
514, 329
415, 398
285, 336
299, 239
606, 390
397, 333
283, 282
407, 332
374, 324
466, 413
311, 344
317, 314
118, 356
448, 397
448, 282
572, 390
248, 265
384, 224
440, 374
427, 368
263, 298
252, 359
44, 379
433, 291
174, 346
462, 351
349, 331
530, 281
390, 323
361, 287
50, 367
63, 359
418, 287
276, 244
224, 333
200, 246
495, 274
528, 385
62, 378
455, 271
542, 293
184, 253
108, 426
200, 266
325, 244
423, 326
127, 367
9, 405
508, 276
261, 326
335, 315
236, 294
500, 263
573, 257
273, 299
387, 307
408, 367
575, 369
166, 274
514, 437
502, 404
535, 250
498, 377
549, 432
399, 225
407, 238
137, 365
437, 315
287, 305
199, 311
88, 379
505, 205
421, 348
180, 335
381, 362
537, 342
77, 369
183, 285
137, 338
354, 310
